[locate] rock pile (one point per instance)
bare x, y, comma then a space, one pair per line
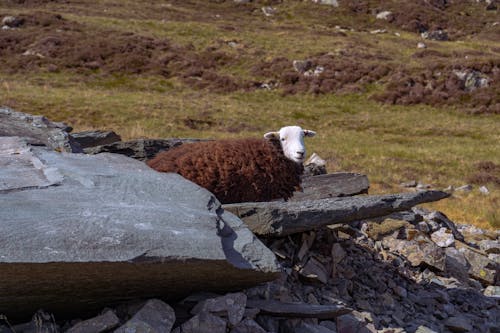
378, 264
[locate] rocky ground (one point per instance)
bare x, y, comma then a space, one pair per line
410, 271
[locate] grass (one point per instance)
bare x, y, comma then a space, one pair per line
391, 144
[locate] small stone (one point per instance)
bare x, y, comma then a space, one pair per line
400, 291
458, 324
314, 269
348, 323
484, 190
443, 238
12, 21
385, 15
378, 31
154, 317
422, 45
102, 323
492, 291
268, 11
439, 35
302, 65
333, 3
338, 253
311, 328
424, 227
424, 329
490, 246
204, 322
481, 268
464, 188
230, 305
411, 183
248, 326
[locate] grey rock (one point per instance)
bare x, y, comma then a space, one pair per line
310, 328
492, 291
481, 268
88, 139
472, 80
443, 238
41, 322
103, 323
385, 15
302, 65
140, 149
424, 329
333, 3
439, 35
12, 21
113, 229
268, 11
411, 183
458, 324
37, 130
442, 219
332, 326
204, 322
248, 326
467, 187
349, 323
314, 166
490, 246
421, 45
298, 310
456, 264
284, 218
484, 190
154, 317
420, 251
231, 306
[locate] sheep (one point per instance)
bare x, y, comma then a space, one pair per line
241, 170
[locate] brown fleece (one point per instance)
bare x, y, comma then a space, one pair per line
243, 170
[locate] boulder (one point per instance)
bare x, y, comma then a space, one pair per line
38, 130
102, 323
82, 232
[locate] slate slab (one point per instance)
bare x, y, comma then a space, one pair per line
111, 229
37, 130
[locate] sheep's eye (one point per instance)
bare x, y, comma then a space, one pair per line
282, 139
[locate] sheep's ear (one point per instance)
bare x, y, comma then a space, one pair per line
272, 135
309, 133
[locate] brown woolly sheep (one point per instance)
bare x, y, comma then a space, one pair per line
241, 170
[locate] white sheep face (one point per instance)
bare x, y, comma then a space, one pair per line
292, 141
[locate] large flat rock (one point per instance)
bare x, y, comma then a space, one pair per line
80, 232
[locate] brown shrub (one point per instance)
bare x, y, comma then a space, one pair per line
487, 172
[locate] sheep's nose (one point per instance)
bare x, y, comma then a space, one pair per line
300, 153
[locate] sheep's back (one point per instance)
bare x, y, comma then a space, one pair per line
234, 170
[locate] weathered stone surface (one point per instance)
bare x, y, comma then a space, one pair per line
492, 291
298, 310
340, 184
37, 130
311, 328
419, 251
88, 139
154, 317
113, 229
140, 149
490, 246
481, 268
458, 324
231, 306
204, 322
248, 326
284, 218
314, 166
103, 323
443, 237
